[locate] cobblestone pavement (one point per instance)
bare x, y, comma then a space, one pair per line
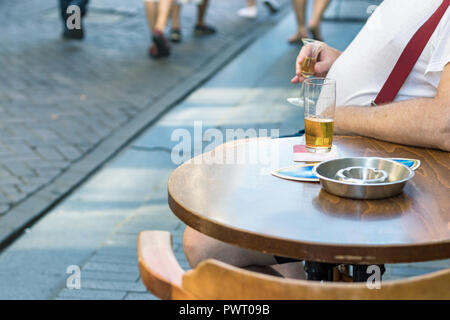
61, 100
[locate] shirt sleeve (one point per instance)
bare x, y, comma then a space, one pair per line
441, 53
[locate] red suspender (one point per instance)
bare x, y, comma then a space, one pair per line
409, 56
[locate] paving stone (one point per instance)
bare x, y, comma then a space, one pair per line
115, 259
12, 193
151, 223
48, 164
102, 266
19, 169
4, 199
4, 208
122, 239
129, 253
28, 189
113, 276
140, 296
19, 148
47, 173
9, 181
409, 271
436, 264
86, 294
128, 286
69, 152
49, 153
37, 181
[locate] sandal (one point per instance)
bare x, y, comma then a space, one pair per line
175, 35
204, 30
160, 47
297, 38
315, 33
272, 5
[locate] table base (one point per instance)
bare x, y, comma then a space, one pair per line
319, 271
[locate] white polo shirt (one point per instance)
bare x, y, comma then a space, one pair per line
365, 65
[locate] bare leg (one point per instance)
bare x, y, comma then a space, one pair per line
300, 9
251, 3
151, 8
157, 15
163, 14
291, 270
201, 28
176, 16
314, 23
199, 247
201, 13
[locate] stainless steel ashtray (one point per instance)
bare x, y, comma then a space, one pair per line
363, 178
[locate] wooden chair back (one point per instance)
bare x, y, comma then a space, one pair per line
212, 279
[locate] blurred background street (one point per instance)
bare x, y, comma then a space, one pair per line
68, 106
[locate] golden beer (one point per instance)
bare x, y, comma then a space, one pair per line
308, 66
318, 134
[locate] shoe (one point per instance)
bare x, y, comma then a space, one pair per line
248, 12
175, 35
272, 5
74, 34
297, 37
160, 47
204, 30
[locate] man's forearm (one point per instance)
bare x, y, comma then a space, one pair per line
418, 122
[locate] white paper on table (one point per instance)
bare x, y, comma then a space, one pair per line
316, 157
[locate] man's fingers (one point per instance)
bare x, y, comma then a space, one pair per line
321, 67
298, 79
298, 64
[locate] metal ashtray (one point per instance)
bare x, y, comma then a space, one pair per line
363, 178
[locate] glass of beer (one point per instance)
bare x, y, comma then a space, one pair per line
320, 104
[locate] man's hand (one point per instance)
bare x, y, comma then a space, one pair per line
327, 56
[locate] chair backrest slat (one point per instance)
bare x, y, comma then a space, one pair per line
216, 280
159, 269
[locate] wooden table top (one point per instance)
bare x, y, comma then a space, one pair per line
243, 204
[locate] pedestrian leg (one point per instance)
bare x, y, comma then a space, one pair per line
314, 23
201, 28
299, 8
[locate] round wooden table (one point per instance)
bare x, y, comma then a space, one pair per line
244, 205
